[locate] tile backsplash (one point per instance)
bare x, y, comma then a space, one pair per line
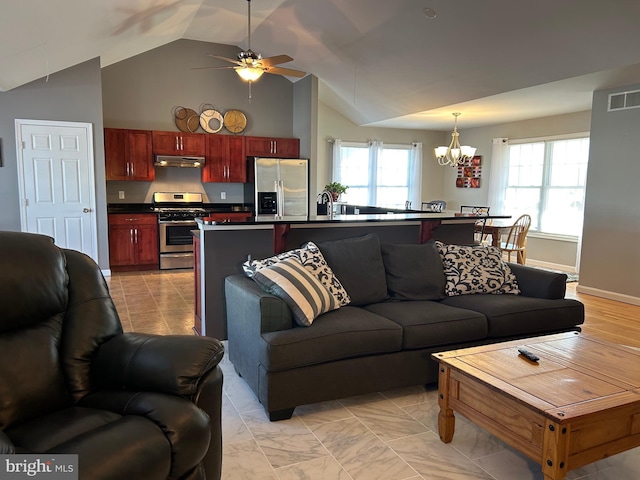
174, 180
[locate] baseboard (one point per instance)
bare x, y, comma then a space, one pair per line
106, 272
618, 297
551, 266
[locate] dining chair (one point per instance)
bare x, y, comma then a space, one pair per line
434, 206
474, 209
479, 210
517, 238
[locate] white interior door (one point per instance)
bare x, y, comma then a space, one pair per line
55, 166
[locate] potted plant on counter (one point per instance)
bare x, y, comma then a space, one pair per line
336, 189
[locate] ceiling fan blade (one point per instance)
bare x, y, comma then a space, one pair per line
285, 71
276, 60
237, 62
211, 68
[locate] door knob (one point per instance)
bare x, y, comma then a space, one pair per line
86, 210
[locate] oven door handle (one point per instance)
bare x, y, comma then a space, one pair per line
177, 222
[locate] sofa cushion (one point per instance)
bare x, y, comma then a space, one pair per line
414, 272
509, 315
357, 262
336, 335
475, 269
313, 260
429, 324
299, 288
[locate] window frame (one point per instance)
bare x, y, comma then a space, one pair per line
545, 186
374, 158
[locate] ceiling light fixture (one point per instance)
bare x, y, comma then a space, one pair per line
454, 154
248, 72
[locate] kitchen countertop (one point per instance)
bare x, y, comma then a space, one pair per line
337, 220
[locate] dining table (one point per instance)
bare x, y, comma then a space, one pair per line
494, 229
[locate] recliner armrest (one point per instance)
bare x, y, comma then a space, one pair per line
538, 283
6, 445
171, 364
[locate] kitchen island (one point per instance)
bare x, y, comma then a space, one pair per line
223, 247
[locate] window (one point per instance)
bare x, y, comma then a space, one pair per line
385, 176
547, 179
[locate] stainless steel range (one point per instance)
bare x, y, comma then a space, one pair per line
176, 213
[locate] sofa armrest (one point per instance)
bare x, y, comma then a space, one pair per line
538, 283
247, 301
173, 364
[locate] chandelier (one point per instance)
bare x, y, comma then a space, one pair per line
454, 154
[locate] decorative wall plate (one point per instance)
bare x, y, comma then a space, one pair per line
235, 121
187, 120
211, 120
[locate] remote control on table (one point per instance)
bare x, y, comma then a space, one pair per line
527, 354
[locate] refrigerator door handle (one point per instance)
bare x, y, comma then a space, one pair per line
281, 211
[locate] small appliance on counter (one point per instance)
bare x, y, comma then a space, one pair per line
280, 190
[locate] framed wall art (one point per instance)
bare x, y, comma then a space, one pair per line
469, 173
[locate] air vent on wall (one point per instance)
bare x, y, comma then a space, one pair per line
624, 100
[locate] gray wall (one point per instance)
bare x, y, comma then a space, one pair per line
610, 259
72, 95
305, 127
143, 91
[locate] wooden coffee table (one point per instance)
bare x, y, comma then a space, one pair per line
580, 403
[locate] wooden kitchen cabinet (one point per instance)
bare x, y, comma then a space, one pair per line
225, 159
128, 154
133, 241
272, 147
178, 143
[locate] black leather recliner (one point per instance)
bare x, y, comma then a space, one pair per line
131, 405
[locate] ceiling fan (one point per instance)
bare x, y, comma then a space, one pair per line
250, 65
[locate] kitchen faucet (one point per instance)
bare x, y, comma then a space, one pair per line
320, 200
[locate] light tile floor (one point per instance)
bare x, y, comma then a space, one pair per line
389, 435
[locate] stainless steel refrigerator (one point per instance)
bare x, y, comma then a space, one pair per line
281, 188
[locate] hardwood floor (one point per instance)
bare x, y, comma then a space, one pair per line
608, 319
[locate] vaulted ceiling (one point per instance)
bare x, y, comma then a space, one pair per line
399, 63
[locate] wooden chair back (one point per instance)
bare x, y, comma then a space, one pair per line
518, 233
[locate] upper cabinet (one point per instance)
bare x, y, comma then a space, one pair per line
225, 159
128, 154
272, 147
178, 143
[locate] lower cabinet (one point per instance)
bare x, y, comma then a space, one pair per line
133, 241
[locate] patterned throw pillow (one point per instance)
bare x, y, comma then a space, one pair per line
476, 269
298, 287
313, 260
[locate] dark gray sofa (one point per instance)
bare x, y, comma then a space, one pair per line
398, 316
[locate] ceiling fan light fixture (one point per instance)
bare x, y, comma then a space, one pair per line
249, 74
454, 154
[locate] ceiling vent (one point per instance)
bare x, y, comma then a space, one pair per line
624, 100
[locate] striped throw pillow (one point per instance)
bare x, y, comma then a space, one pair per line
300, 289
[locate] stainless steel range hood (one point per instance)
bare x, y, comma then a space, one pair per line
176, 161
